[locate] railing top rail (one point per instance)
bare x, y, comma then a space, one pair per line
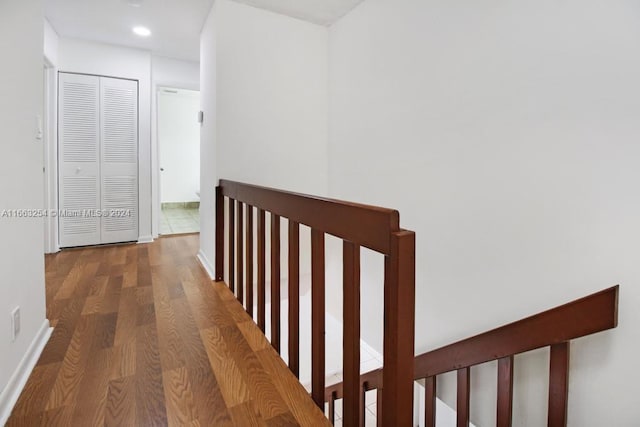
585, 316
368, 226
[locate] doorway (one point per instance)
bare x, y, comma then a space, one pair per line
179, 155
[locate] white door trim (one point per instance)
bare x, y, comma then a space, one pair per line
155, 149
50, 112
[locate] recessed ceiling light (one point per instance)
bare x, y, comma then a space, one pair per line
142, 31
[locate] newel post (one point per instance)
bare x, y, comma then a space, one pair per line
399, 331
219, 234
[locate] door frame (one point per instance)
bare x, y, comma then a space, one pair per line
50, 125
155, 149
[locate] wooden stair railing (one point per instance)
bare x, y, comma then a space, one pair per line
357, 225
554, 328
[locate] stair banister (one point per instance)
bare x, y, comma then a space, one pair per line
554, 328
358, 226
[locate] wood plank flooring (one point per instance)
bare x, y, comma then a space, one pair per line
144, 338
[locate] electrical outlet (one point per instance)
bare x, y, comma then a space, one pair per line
15, 323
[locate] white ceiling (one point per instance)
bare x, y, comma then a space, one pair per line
175, 24
322, 12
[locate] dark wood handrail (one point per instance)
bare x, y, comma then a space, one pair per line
368, 226
585, 316
358, 226
552, 328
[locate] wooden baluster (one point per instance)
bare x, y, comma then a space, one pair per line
379, 395
275, 282
352, 403
464, 391
231, 234
249, 261
399, 315
219, 234
430, 388
240, 254
505, 392
332, 408
294, 297
261, 270
362, 410
558, 385
317, 317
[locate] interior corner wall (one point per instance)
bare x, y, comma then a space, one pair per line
271, 99
264, 97
87, 57
507, 136
51, 42
21, 162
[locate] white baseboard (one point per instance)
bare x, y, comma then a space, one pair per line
11, 392
53, 249
206, 264
145, 239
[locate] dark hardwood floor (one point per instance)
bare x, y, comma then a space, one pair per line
144, 338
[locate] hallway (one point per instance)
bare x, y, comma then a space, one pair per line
143, 337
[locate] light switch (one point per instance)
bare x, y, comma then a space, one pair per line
39, 131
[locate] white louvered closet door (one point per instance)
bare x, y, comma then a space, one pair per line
119, 159
98, 160
79, 159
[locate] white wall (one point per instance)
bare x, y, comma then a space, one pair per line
268, 76
102, 59
51, 42
179, 144
21, 162
168, 72
175, 73
271, 99
208, 172
507, 136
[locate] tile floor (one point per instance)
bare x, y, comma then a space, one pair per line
179, 220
